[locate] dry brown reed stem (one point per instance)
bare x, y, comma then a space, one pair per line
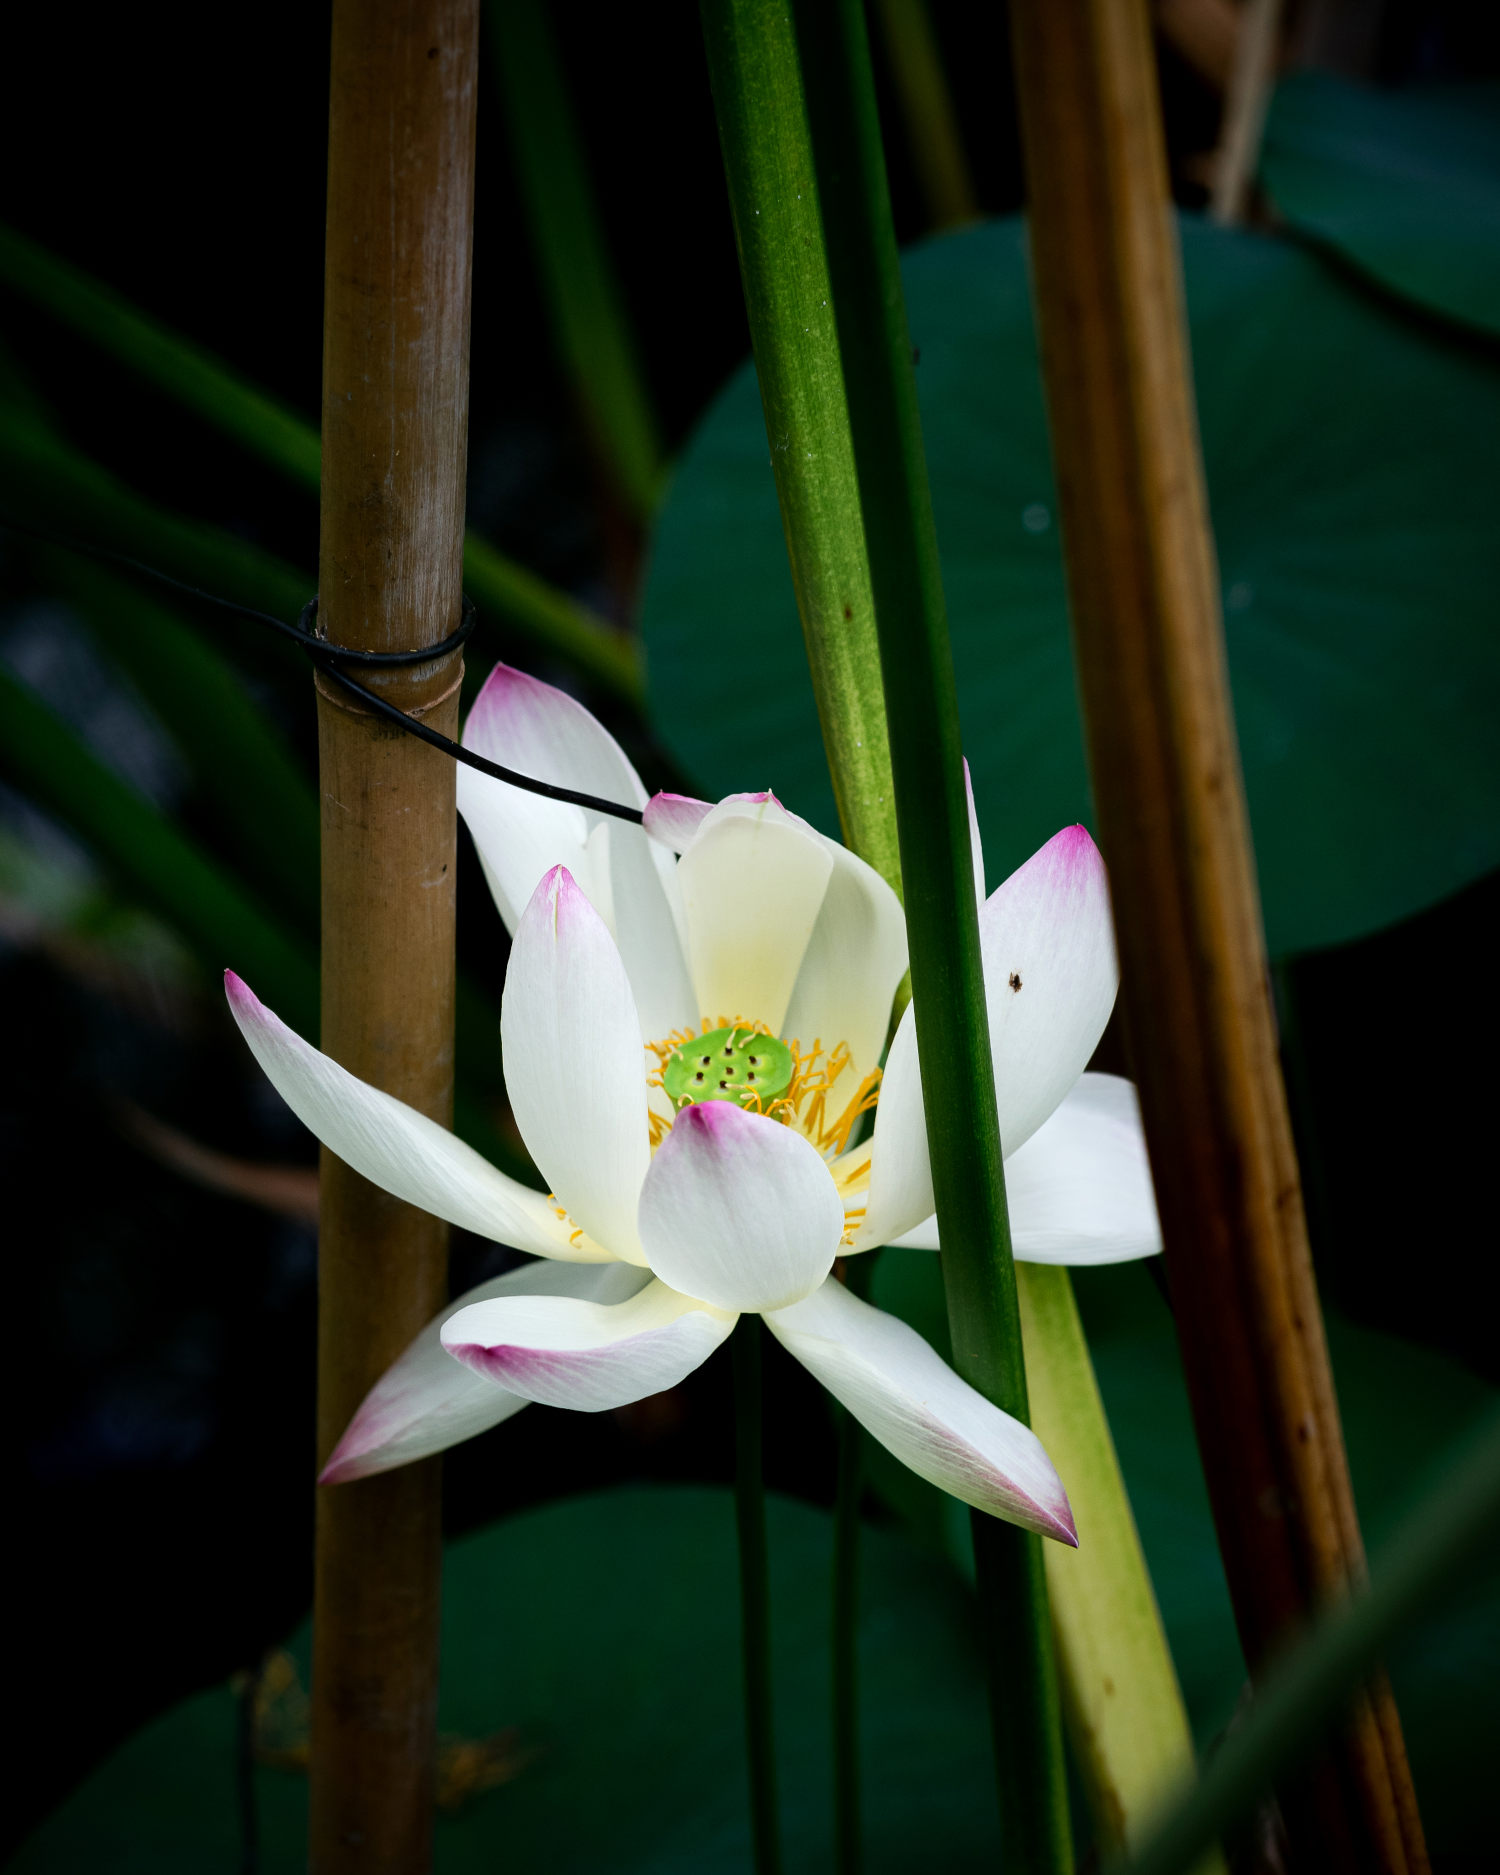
395, 436
1144, 592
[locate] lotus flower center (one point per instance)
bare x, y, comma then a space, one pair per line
739, 1064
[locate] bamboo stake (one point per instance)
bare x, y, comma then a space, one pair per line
1143, 586
395, 420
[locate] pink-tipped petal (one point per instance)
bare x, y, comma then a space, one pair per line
398, 1148
752, 882
909, 1399
540, 731
587, 1356
574, 1065
674, 819
739, 1209
1050, 978
427, 1401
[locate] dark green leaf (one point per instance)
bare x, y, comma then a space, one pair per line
606, 1630
1405, 184
1353, 485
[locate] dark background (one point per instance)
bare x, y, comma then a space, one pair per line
159, 1380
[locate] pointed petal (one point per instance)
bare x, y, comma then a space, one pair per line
855, 958
427, 1401
588, 1356
1049, 976
541, 731
398, 1148
900, 1192
674, 819
906, 1396
739, 1209
574, 1066
752, 884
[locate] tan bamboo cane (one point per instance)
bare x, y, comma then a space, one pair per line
395, 432
1144, 592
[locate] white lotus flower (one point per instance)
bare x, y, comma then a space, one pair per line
689, 1043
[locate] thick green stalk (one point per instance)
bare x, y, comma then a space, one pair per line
773, 197
1447, 1536
548, 619
755, 1596
942, 923
588, 308
1121, 1702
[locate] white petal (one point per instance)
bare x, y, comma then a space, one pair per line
674, 819
900, 1191
1049, 976
752, 885
976, 844
854, 961
1079, 1190
575, 1069
541, 731
904, 1394
427, 1401
648, 927
398, 1148
739, 1209
587, 1355
518, 837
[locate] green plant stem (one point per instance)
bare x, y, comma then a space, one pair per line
544, 617
755, 1596
1121, 1702
588, 307
848, 1847
942, 923
773, 197
1447, 1534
